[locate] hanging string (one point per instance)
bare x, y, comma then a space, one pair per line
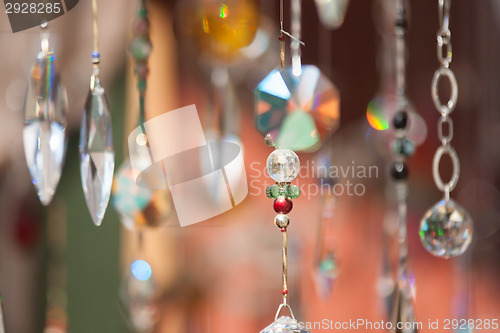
95, 30
295, 45
282, 38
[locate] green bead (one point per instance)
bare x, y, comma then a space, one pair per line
292, 191
140, 48
143, 13
141, 85
403, 147
273, 191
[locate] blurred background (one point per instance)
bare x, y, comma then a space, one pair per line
59, 273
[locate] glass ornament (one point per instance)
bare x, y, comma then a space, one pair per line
138, 206
97, 156
218, 28
283, 165
297, 112
446, 229
44, 133
284, 324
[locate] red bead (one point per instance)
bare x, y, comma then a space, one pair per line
281, 38
284, 292
283, 229
283, 205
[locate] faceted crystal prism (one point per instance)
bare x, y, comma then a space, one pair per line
298, 112
446, 229
284, 324
403, 313
44, 133
97, 157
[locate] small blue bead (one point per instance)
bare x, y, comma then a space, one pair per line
96, 54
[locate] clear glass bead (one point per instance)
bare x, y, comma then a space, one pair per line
446, 229
283, 165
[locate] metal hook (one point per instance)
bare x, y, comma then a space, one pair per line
444, 15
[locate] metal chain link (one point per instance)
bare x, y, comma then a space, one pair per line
445, 123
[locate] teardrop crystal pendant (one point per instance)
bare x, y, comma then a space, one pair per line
403, 315
446, 229
326, 260
97, 157
44, 133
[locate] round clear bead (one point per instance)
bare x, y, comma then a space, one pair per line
283, 165
446, 229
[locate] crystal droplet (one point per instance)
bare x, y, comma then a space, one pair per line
97, 157
403, 313
446, 229
44, 133
326, 261
284, 324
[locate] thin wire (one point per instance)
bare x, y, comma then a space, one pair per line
281, 15
95, 30
285, 266
296, 31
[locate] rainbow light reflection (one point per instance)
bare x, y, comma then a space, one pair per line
375, 115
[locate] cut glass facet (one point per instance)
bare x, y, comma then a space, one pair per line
97, 157
298, 112
284, 324
446, 229
283, 165
44, 133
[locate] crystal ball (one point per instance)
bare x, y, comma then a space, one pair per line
283, 165
138, 206
446, 229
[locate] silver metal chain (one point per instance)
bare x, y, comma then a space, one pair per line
445, 123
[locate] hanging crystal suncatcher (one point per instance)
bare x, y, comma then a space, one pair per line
297, 107
44, 133
97, 156
402, 307
446, 228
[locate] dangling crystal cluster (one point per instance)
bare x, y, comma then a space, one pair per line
44, 133
446, 229
297, 112
283, 166
97, 156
